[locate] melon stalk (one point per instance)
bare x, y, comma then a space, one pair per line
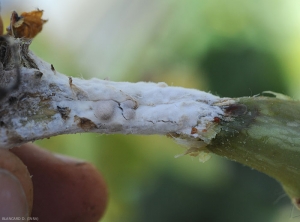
39, 102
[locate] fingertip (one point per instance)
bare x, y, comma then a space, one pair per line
13, 202
65, 189
15, 183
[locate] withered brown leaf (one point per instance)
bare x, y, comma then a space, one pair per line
27, 25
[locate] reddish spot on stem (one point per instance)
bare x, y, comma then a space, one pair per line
217, 120
194, 130
236, 109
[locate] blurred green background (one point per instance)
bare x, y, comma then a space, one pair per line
230, 48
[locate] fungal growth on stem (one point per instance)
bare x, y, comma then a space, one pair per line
37, 102
48, 103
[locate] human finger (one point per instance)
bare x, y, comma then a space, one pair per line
16, 192
65, 189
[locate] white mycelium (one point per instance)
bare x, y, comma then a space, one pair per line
50, 104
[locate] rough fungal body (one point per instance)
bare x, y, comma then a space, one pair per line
48, 103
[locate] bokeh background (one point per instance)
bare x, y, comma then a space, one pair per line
231, 48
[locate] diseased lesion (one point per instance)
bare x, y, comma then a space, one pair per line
64, 112
53, 69
38, 74
13, 56
234, 110
237, 117
78, 93
8, 57
194, 130
85, 123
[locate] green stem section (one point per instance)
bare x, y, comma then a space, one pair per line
264, 135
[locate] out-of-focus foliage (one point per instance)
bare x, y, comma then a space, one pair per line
232, 48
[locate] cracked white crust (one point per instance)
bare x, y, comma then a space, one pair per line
54, 104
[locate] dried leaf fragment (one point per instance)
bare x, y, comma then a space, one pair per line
84, 123
28, 25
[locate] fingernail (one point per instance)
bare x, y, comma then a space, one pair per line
13, 201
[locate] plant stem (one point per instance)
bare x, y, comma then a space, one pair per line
265, 136
260, 132
48, 103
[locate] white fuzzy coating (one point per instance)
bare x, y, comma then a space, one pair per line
104, 110
61, 105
